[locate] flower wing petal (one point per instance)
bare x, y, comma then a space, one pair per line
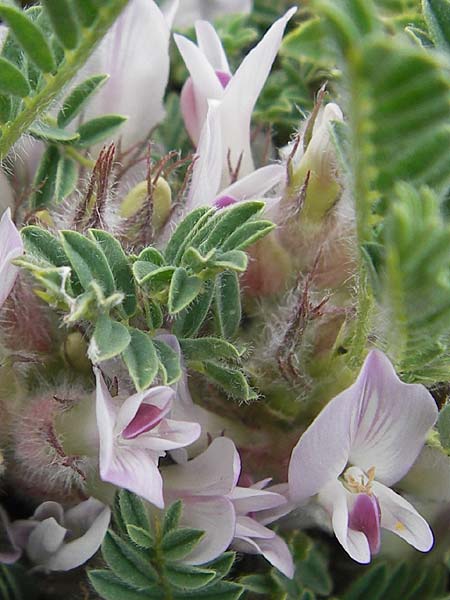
250, 499
400, 517
275, 550
256, 184
77, 552
248, 527
215, 516
214, 472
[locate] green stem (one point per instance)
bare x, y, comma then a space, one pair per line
361, 151
78, 157
74, 60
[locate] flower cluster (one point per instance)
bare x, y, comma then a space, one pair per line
145, 311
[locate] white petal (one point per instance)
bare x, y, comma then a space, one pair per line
6, 190
137, 471
209, 43
391, 420
77, 552
206, 85
207, 172
11, 247
249, 499
334, 499
400, 517
135, 53
248, 527
169, 10
322, 452
81, 517
106, 416
256, 184
275, 550
215, 516
242, 93
214, 472
46, 510
44, 540
273, 514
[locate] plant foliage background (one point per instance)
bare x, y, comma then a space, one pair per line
270, 362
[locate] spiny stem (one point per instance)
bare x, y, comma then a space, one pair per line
74, 60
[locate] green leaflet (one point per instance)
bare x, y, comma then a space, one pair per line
181, 233
88, 261
111, 587
183, 290
141, 359
66, 178
437, 16
43, 246
443, 426
45, 178
110, 339
227, 304
232, 381
63, 21
132, 510
30, 37
205, 347
128, 563
85, 10
50, 133
169, 362
229, 220
190, 320
12, 81
177, 543
120, 268
78, 98
99, 130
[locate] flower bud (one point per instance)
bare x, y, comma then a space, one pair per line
319, 160
26, 325
161, 199
43, 468
74, 350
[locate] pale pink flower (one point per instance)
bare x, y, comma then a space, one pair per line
134, 435
58, 540
211, 80
364, 441
11, 247
227, 513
